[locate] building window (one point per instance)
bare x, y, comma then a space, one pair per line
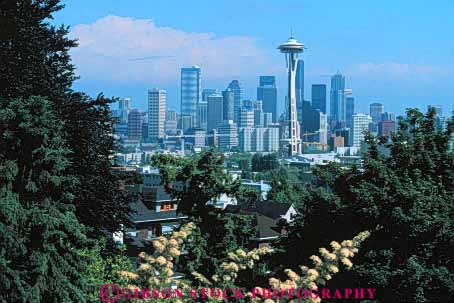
167, 206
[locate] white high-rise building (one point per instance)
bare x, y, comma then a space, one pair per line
228, 136
271, 139
360, 125
156, 114
246, 118
245, 139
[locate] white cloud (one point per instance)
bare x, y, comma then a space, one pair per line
125, 50
397, 70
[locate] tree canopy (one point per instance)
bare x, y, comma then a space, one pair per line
406, 197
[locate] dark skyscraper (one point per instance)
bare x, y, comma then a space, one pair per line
215, 114
267, 81
267, 92
299, 86
337, 99
237, 89
208, 92
228, 104
376, 110
350, 110
319, 97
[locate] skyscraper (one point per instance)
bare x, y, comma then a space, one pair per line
337, 99
237, 89
388, 116
441, 121
191, 91
228, 104
319, 97
313, 124
246, 118
376, 110
267, 92
124, 106
207, 92
202, 114
135, 125
228, 136
299, 85
215, 115
156, 114
349, 110
291, 49
386, 127
360, 125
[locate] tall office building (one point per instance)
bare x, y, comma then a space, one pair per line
319, 97
299, 85
267, 119
349, 110
228, 104
313, 125
246, 117
360, 126
385, 127
202, 114
215, 115
387, 116
124, 106
228, 136
245, 139
156, 114
208, 92
171, 115
441, 122
376, 110
135, 125
337, 99
191, 91
171, 124
237, 88
267, 92
196, 136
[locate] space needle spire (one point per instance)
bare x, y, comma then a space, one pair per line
291, 49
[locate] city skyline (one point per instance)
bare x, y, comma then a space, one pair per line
407, 67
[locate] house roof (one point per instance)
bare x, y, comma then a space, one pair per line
266, 228
270, 209
142, 214
267, 215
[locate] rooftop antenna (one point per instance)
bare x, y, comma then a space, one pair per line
291, 32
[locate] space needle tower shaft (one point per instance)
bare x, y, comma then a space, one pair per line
291, 49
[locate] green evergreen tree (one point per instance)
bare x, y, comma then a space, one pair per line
39, 234
194, 182
404, 194
35, 61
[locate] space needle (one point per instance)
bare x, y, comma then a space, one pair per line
291, 49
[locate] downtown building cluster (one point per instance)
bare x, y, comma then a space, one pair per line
225, 119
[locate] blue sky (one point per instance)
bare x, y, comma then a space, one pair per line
400, 53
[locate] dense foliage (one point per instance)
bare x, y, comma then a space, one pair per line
57, 185
405, 194
39, 233
34, 61
195, 182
